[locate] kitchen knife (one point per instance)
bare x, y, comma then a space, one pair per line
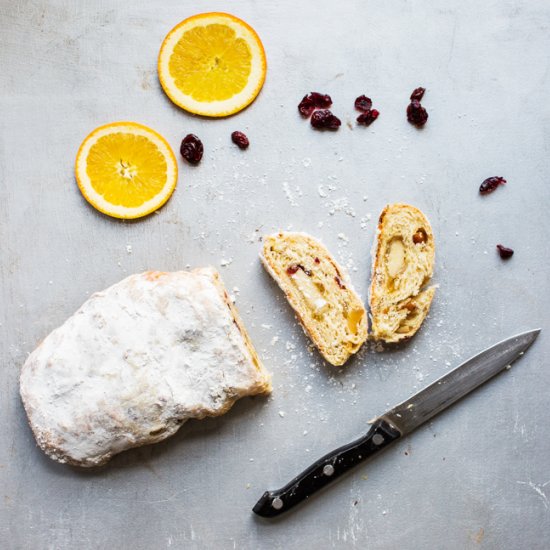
397, 422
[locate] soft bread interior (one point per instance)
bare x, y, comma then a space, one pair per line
403, 265
319, 292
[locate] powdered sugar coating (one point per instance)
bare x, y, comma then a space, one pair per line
134, 363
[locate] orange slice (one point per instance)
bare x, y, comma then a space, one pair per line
126, 170
212, 64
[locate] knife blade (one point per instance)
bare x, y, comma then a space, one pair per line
397, 422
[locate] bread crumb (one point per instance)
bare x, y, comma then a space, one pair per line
365, 220
378, 347
225, 263
282, 414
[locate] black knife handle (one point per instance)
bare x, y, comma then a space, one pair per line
326, 470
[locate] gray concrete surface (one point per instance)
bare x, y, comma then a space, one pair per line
478, 476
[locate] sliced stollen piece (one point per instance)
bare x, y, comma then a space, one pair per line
135, 362
403, 261
320, 293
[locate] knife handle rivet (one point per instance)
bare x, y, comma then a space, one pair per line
378, 439
277, 503
328, 469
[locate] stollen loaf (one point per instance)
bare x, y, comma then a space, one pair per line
135, 362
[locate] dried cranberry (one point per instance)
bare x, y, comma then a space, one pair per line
317, 261
363, 103
306, 106
240, 140
367, 117
418, 94
420, 236
323, 101
340, 283
490, 184
416, 114
191, 149
505, 252
293, 268
325, 119
314, 101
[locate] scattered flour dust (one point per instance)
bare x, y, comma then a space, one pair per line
292, 193
354, 532
304, 371
340, 205
344, 238
365, 221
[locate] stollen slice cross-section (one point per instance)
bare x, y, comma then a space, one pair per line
319, 291
403, 262
135, 362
